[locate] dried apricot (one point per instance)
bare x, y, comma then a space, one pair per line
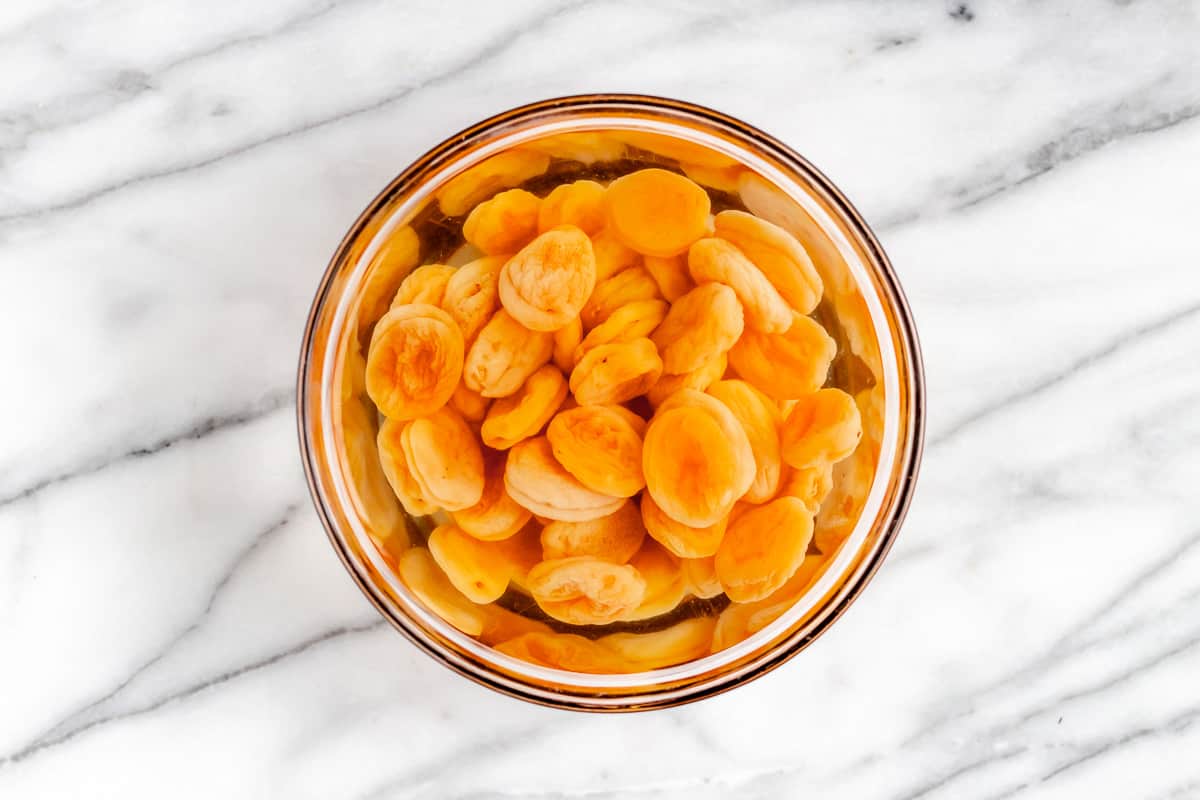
611, 255
586, 147
444, 458
731, 429
480, 570
415, 361
601, 447
713, 259
396, 256
823, 428
810, 485
521, 415
535, 479
723, 179
700, 326
504, 170
776, 252
627, 286
699, 379
665, 586
671, 275
425, 284
566, 340
471, 295
615, 537
545, 285
700, 574
677, 149
656, 212
504, 355
423, 577
785, 365
397, 472
682, 540
634, 320
759, 416
504, 224
470, 404
500, 625
741, 620
763, 548
496, 516
614, 373
580, 204
586, 591
681, 642
564, 651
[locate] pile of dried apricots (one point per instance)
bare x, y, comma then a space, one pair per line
617, 406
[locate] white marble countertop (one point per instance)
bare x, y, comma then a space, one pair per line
173, 177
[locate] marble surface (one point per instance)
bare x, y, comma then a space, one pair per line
173, 176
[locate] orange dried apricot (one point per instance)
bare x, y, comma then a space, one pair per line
431, 586
699, 379
776, 252
627, 286
731, 429
810, 485
785, 365
444, 458
471, 295
700, 326
724, 179
614, 537
479, 570
521, 415
580, 204
535, 479
759, 417
682, 540
763, 548
823, 428
671, 275
614, 373
470, 404
677, 149
700, 574
601, 446
713, 259
502, 171
396, 256
656, 212
665, 586
415, 361
567, 651
504, 224
396, 470
546, 284
425, 284
496, 516
681, 642
634, 320
504, 355
566, 340
583, 590
611, 255
586, 147
500, 625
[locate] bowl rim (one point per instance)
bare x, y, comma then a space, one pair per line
907, 458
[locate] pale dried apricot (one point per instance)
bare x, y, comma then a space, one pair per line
370, 488
724, 179
535, 479
601, 446
586, 591
431, 586
776, 252
627, 286
681, 642
415, 361
665, 586
471, 295
545, 285
763, 548
677, 149
823, 428
611, 255
760, 418
505, 223
502, 171
656, 212
671, 275
397, 472
586, 147
785, 365
614, 373
500, 625
425, 284
810, 485
700, 326
396, 256
504, 355
566, 340
580, 204
682, 540
615, 537
567, 651
496, 516
699, 379
445, 460
634, 320
524, 414
713, 259
470, 404
700, 574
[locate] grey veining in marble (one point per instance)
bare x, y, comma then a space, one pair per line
173, 176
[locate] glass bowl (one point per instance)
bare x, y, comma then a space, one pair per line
863, 308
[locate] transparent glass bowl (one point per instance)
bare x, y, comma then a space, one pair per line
864, 309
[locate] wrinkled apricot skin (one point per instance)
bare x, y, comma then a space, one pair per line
504, 224
537, 481
759, 417
614, 537
699, 379
421, 574
665, 586
586, 591
786, 365
634, 320
504, 170
496, 516
823, 428
614, 373
671, 274
504, 355
545, 285
566, 341
601, 446
681, 540
656, 212
580, 204
713, 259
627, 286
415, 361
471, 295
782, 259
524, 414
444, 458
701, 325
425, 284
763, 548
397, 472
